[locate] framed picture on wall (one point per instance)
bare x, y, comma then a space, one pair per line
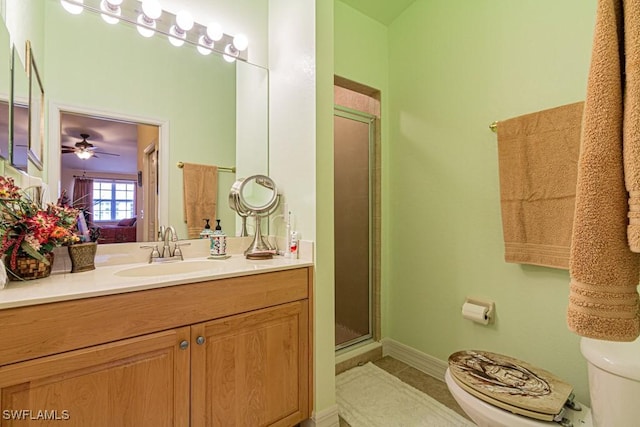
36, 110
18, 113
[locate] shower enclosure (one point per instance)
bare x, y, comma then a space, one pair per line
354, 190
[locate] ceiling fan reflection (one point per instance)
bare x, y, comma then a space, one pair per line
84, 149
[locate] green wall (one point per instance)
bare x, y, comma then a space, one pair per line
361, 54
324, 330
453, 68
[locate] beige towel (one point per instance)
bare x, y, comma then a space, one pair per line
200, 187
603, 299
632, 119
538, 156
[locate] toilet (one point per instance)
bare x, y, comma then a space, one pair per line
614, 381
614, 384
495, 390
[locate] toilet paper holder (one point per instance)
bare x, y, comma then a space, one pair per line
479, 310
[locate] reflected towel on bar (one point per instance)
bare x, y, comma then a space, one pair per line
200, 187
603, 298
537, 156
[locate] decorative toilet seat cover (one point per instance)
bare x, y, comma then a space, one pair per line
509, 383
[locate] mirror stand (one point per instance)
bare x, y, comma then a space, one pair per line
259, 249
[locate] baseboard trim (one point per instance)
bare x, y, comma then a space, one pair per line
414, 358
326, 418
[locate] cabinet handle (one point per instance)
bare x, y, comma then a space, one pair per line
200, 340
184, 344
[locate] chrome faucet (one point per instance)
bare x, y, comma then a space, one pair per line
167, 235
169, 232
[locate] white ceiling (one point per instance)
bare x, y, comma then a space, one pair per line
108, 136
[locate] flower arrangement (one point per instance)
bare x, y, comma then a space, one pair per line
26, 228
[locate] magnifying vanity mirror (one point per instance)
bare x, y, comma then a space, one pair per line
206, 110
255, 196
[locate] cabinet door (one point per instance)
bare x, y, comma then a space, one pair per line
251, 369
141, 381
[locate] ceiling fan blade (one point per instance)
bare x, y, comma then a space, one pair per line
67, 150
106, 154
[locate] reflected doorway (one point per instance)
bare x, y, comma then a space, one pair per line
109, 167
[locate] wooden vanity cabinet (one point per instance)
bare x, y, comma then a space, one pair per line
225, 361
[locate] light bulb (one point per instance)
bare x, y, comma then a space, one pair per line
184, 20
152, 9
72, 8
177, 37
214, 31
111, 7
84, 154
230, 53
146, 27
240, 42
205, 45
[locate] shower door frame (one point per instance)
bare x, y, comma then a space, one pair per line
370, 120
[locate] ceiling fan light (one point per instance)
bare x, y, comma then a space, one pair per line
84, 154
72, 7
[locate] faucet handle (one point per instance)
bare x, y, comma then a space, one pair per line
155, 253
178, 252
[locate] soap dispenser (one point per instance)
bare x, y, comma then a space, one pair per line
206, 231
218, 242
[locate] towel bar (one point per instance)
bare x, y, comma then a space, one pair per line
220, 168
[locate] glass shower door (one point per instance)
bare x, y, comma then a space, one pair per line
353, 191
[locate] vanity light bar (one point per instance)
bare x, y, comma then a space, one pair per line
197, 36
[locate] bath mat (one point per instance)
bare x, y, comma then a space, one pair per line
368, 396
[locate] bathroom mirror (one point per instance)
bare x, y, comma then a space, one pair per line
36, 110
19, 112
209, 111
5, 81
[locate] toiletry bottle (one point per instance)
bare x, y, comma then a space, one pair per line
293, 245
287, 249
206, 231
218, 242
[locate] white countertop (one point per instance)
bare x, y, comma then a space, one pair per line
108, 279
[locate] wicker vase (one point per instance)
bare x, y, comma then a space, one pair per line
82, 256
28, 268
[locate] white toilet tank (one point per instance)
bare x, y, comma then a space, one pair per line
614, 381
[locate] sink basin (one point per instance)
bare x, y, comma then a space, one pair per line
178, 267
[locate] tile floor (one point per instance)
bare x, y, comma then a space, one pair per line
426, 383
